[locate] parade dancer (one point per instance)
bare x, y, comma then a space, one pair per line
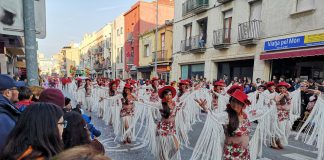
226, 134
88, 95
216, 96
176, 118
127, 112
154, 90
80, 92
102, 94
313, 128
284, 105
167, 141
183, 90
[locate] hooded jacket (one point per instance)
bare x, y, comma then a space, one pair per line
8, 118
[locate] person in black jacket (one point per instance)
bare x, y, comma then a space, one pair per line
9, 114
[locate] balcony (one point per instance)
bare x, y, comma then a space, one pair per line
130, 60
193, 45
223, 1
221, 38
162, 56
249, 32
194, 6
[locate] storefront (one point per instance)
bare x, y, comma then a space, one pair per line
235, 70
296, 57
164, 72
192, 70
145, 72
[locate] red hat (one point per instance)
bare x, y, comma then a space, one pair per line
284, 84
241, 96
219, 83
132, 82
233, 88
113, 82
269, 84
88, 79
172, 89
128, 86
185, 82
52, 95
154, 79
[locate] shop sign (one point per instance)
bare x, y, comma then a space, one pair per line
295, 42
163, 69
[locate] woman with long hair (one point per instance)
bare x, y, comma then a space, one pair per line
183, 89
168, 142
76, 132
37, 135
226, 134
154, 97
127, 112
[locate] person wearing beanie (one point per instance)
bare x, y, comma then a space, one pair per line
53, 95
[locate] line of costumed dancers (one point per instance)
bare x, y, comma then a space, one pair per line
161, 116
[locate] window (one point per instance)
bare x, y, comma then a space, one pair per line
227, 26
188, 29
121, 30
117, 32
146, 50
303, 5
255, 10
118, 59
121, 54
202, 23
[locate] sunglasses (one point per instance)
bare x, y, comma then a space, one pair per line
64, 123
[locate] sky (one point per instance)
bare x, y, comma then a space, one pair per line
68, 20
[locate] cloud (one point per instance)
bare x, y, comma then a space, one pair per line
109, 8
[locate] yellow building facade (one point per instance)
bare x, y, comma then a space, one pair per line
95, 49
163, 52
70, 57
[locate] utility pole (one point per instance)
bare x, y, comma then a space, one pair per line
156, 38
30, 42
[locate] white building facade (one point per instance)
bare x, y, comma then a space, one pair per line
118, 51
238, 39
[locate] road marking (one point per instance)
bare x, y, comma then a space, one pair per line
302, 149
296, 156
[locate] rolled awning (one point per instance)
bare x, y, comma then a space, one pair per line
15, 51
20, 64
292, 53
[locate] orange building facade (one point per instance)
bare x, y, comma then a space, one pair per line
138, 20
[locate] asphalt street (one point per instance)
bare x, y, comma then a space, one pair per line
296, 150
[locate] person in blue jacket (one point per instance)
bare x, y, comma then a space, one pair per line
93, 131
9, 114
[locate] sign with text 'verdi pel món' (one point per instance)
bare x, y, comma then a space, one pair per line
12, 18
294, 42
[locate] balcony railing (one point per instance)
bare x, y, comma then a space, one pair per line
249, 32
194, 44
223, 1
222, 38
194, 6
130, 60
162, 56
